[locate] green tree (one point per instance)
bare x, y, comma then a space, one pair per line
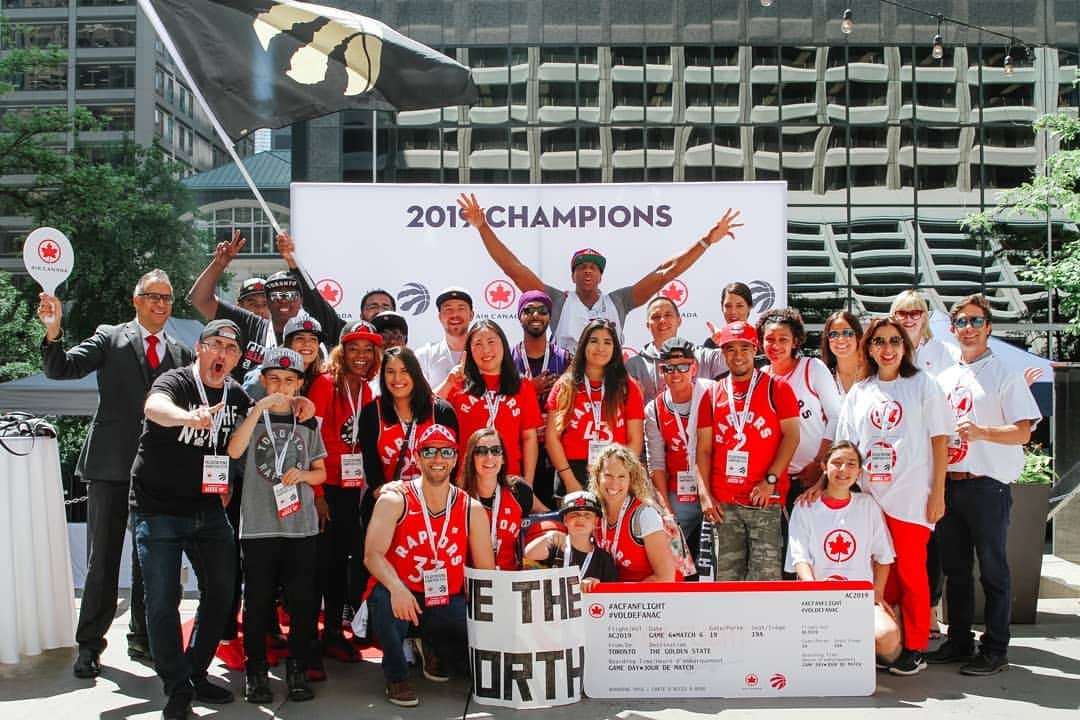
20, 333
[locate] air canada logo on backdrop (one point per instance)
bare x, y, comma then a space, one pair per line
361, 44
500, 294
414, 298
331, 291
763, 294
676, 291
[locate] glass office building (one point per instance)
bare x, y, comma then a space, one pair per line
884, 146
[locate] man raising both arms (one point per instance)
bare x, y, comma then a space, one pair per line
572, 311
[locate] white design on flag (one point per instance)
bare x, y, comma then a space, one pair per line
309, 64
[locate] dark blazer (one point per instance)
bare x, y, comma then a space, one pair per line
116, 352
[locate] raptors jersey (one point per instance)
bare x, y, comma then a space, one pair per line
410, 549
581, 426
513, 415
839, 543
629, 553
819, 407
337, 418
395, 446
505, 529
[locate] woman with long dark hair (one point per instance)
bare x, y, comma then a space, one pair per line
506, 498
900, 417
840, 349
594, 403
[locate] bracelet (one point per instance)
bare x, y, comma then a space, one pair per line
703, 243
562, 470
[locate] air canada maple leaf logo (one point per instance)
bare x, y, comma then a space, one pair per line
331, 291
48, 251
676, 291
839, 545
500, 294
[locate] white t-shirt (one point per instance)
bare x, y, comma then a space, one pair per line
436, 361
896, 419
987, 393
934, 356
839, 544
819, 408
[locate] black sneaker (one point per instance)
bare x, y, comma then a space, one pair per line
986, 663
950, 652
139, 649
208, 692
910, 662
88, 664
178, 707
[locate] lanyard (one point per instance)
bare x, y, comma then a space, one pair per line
688, 432
492, 400
215, 424
495, 513
597, 407
525, 360
355, 414
416, 484
614, 546
738, 420
567, 554
279, 458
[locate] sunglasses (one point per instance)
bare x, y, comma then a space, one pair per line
847, 334
541, 311
485, 450
908, 314
283, 296
157, 298
894, 340
447, 453
963, 321
681, 368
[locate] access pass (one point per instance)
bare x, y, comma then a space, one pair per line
436, 588
595, 448
881, 464
738, 463
352, 470
287, 498
686, 487
215, 480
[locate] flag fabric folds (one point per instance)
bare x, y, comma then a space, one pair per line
271, 63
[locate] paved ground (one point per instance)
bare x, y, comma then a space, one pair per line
1044, 682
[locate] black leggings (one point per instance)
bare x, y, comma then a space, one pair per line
335, 545
270, 563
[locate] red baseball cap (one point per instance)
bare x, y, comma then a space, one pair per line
588, 255
360, 330
437, 435
738, 332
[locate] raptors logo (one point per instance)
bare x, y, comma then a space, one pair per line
961, 401
887, 415
778, 681
839, 545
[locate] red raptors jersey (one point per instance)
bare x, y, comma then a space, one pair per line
392, 443
675, 459
507, 530
410, 549
336, 413
773, 401
629, 553
514, 414
581, 427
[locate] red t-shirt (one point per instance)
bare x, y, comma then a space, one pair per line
581, 425
762, 432
337, 416
514, 414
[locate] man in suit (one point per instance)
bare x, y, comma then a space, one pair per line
127, 358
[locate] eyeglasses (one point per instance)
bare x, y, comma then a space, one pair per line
894, 340
541, 311
222, 347
681, 368
157, 298
846, 333
447, 453
492, 450
909, 314
283, 296
963, 321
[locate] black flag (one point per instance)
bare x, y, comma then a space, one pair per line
269, 63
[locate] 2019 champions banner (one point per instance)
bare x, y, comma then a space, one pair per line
411, 240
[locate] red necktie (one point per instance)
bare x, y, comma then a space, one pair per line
151, 352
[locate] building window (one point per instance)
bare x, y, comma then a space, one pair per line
105, 34
36, 35
105, 76
21, 4
114, 117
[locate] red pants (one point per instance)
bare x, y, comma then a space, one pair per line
908, 585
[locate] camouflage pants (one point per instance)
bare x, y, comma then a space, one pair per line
747, 543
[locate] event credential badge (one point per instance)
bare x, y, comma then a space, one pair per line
215, 474
352, 470
287, 498
436, 587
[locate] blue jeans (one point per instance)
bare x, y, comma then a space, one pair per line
207, 539
976, 522
688, 516
443, 628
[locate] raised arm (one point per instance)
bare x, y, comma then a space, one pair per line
313, 301
647, 287
81, 360
507, 261
202, 294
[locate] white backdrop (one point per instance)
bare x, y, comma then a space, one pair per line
411, 240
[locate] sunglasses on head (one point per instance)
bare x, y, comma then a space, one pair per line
541, 311
485, 450
846, 333
447, 453
894, 340
681, 368
963, 321
908, 314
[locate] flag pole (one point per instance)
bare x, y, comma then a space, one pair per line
163, 34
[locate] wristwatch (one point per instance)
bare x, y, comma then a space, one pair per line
771, 478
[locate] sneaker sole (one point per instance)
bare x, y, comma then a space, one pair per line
985, 673
907, 673
423, 666
403, 703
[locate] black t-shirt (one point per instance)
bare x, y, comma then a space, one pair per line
253, 331
167, 474
602, 566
